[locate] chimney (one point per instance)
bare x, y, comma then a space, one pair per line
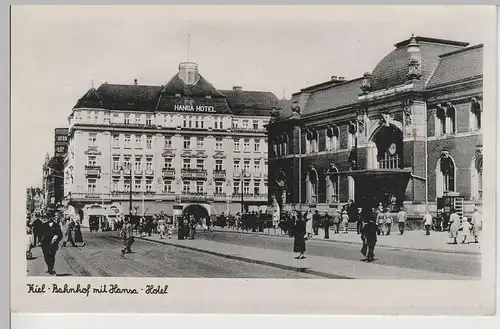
342, 78
135, 81
334, 77
237, 88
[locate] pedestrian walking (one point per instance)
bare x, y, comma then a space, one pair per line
336, 221
309, 224
369, 235
345, 221
50, 236
128, 237
276, 218
427, 223
67, 227
162, 227
299, 237
388, 222
466, 228
359, 221
78, 233
380, 222
402, 220
316, 222
477, 224
36, 226
192, 227
455, 223
327, 222
29, 240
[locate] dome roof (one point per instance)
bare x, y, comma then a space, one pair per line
392, 69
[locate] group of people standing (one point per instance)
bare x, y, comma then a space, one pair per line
48, 231
465, 228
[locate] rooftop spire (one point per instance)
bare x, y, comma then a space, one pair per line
189, 46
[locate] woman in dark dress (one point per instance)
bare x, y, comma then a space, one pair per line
299, 240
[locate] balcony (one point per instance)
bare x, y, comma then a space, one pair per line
138, 172
236, 173
196, 197
257, 175
168, 172
220, 197
149, 172
194, 173
219, 174
92, 171
116, 172
250, 197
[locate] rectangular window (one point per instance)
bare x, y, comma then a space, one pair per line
186, 186
218, 144
246, 145
197, 123
149, 185
91, 185
89, 117
218, 187
149, 142
127, 141
236, 124
138, 185
236, 187
236, 145
201, 123
265, 167
256, 188
246, 166
186, 163
92, 160
236, 166
265, 146
245, 124
148, 121
138, 164
126, 185
116, 163
149, 164
168, 163
184, 122
127, 119
200, 164
137, 119
106, 118
190, 122
218, 165
255, 124
199, 143
114, 186
138, 142
167, 186
126, 163
92, 139
256, 145
256, 166
168, 142
116, 141
246, 187
187, 143
199, 187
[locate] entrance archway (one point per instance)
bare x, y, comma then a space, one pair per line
197, 210
388, 140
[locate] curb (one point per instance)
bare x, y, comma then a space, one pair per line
306, 270
472, 253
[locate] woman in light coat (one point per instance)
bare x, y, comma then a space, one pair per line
345, 221
477, 224
455, 224
309, 224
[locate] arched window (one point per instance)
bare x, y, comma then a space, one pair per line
351, 135
332, 138
477, 176
284, 144
312, 186
445, 174
476, 111
445, 119
308, 138
332, 184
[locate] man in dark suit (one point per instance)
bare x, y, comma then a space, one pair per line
37, 229
316, 222
369, 234
50, 234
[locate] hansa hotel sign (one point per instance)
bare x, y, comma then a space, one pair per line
194, 108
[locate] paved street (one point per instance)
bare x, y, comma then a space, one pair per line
101, 257
237, 255
466, 264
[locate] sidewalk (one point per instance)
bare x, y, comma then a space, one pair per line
317, 265
413, 240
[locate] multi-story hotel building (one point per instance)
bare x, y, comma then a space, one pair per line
185, 143
410, 130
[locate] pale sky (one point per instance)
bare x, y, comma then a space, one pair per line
58, 51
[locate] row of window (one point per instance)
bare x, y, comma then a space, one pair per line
187, 121
256, 188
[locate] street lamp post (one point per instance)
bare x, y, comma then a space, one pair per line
242, 200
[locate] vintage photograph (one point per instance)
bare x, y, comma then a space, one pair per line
164, 146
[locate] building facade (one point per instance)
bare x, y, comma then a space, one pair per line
409, 131
186, 144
